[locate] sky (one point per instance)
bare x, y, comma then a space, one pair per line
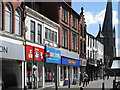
94, 15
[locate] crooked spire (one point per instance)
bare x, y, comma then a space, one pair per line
107, 24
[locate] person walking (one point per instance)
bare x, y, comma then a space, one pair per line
85, 78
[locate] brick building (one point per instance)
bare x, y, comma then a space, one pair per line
11, 44
72, 35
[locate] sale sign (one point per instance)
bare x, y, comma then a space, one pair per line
29, 52
38, 54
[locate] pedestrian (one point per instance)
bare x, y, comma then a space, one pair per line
85, 78
81, 78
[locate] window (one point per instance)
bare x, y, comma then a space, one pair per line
46, 31
56, 37
39, 33
0, 15
49, 34
81, 47
74, 22
8, 18
17, 22
64, 15
88, 53
74, 42
52, 36
61, 73
88, 40
32, 37
64, 38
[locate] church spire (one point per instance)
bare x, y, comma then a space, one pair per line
107, 24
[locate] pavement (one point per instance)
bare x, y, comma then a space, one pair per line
93, 85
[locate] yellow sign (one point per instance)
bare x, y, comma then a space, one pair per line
71, 62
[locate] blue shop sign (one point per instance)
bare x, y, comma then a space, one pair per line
55, 56
70, 62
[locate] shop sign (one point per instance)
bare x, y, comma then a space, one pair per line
66, 61
38, 53
29, 52
34, 53
10, 50
55, 56
84, 62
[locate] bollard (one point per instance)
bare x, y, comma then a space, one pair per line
81, 88
113, 84
103, 88
69, 84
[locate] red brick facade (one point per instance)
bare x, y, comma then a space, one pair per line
14, 6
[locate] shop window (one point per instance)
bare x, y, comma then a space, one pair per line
74, 42
64, 15
0, 15
8, 17
65, 72
74, 22
64, 38
39, 33
49, 75
17, 22
32, 35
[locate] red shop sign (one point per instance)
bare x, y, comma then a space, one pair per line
29, 52
38, 54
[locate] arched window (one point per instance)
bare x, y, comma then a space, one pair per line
17, 22
0, 15
8, 17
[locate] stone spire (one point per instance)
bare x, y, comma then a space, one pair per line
107, 24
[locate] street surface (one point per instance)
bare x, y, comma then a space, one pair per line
93, 85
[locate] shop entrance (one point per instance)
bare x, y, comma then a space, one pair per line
34, 74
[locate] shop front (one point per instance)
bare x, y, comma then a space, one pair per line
51, 66
34, 66
11, 63
69, 70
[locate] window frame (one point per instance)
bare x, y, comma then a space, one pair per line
32, 31
65, 38
19, 12
39, 34
64, 15
74, 22
8, 5
74, 36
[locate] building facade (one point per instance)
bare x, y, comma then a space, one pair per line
41, 37
12, 50
95, 56
72, 40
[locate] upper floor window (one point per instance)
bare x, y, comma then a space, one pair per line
32, 31
50, 35
88, 40
64, 38
8, 17
74, 42
39, 36
74, 22
64, 15
0, 15
17, 22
